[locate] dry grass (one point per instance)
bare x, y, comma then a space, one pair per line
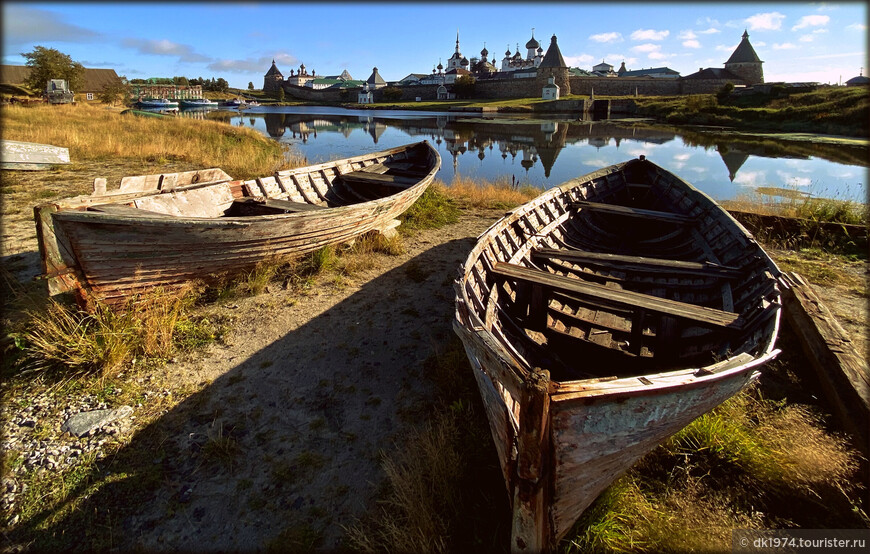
94, 132
416, 513
104, 340
500, 194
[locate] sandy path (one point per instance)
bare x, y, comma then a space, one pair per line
309, 393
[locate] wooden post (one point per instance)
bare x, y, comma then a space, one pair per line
843, 373
530, 529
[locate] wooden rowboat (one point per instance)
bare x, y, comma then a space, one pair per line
31, 156
166, 230
601, 318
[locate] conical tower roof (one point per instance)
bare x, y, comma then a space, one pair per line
553, 57
273, 70
744, 53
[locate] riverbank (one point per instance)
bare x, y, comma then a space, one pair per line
271, 434
835, 111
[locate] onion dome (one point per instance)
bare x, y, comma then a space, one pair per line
507, 53
484, 53
533, 43
440, 67
463, 61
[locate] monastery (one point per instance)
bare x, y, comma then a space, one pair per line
538, 74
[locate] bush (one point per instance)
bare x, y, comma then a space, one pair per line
392, 94
724, 92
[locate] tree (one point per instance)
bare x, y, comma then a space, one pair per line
180, 81
464, 86
391, 94
47, 63
115, 91
250, 85
280, 94
222, 85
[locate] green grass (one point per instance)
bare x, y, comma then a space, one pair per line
433, 209
827, 110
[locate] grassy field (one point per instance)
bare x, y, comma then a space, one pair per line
94, 133
828, 110
769, 458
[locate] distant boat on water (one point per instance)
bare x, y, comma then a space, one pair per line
157, 103
198, 103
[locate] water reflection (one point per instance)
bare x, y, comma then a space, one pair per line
545, 151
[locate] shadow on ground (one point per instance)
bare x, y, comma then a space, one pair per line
284, 444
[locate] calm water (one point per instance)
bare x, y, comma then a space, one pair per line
548, 151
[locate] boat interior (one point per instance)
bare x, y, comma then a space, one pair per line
290, 191
623, 276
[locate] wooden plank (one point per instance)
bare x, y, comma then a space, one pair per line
843, 373
699, 314
530, 530
379, 179
640, 263
667, 217
252, 206
31, 156
123, 209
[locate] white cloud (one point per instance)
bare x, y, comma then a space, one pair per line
793, 180
784, 46
606, 37
726, 47
750, 178
806, 38
811, 21
649, 34
24, 25
857, 27
648, 47
687, 35
282, 59
164, 47
579, 61
691, 44
710, 31
771, 21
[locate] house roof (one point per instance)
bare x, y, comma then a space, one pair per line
650, 71
859, 80
458, 71
744, 53
94, 79
553, 57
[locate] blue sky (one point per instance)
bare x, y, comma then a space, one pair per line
823, 42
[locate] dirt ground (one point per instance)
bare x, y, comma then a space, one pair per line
282, 440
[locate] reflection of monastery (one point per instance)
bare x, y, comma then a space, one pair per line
533, 75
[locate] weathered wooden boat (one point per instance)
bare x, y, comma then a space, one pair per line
31, 156
601, 318
166, 230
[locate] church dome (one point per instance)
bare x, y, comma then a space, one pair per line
533, 43
464, 61
484, 52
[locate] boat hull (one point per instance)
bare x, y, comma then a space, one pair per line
156, 242
31, 156
576, 392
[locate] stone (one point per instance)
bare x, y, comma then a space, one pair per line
83, 423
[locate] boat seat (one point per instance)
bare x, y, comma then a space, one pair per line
635, 301
124, 209
639, 264
369, 178
666, 217
270, 206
